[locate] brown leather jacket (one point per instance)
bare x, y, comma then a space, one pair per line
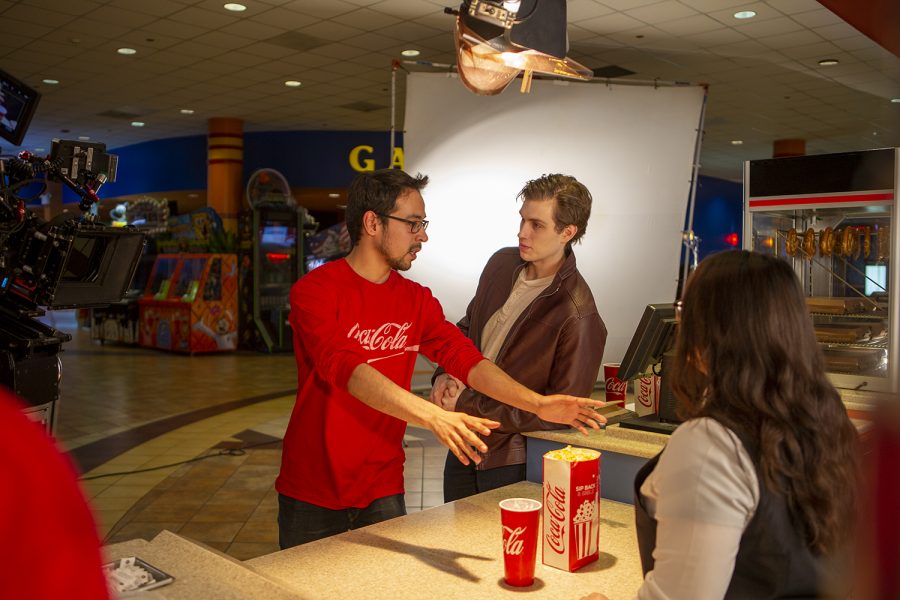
554, 347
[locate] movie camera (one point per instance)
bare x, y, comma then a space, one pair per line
69, 261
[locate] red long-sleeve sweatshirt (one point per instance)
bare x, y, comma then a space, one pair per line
338, 452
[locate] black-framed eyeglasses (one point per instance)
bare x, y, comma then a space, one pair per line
414, 225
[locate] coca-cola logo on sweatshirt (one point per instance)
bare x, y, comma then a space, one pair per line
389, 336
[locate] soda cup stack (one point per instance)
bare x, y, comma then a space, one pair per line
571, 508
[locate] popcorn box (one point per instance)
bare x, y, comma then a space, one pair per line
571, 503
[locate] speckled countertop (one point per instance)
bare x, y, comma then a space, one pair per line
451, 551
200, 572
645, 444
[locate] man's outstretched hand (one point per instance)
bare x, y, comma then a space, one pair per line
571, 410
457, 432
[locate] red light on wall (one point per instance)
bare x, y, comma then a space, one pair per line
277, 257
732, 239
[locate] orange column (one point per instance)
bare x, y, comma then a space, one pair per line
225, 164
788, 147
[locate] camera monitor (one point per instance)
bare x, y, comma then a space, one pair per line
99, 267
17, 105
654, 335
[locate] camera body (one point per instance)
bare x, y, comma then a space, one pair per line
67, 262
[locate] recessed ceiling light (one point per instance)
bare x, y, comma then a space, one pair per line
137, 123
828, 62
737, 142
186, 111
292, 83
50, 81
84, 138
744, 14
193, 195
127, 51
410, 53
40, 149
333, 195
235, 7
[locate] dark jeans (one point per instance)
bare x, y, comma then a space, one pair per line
301, 522
461, 481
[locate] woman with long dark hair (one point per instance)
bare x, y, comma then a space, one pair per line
755, 494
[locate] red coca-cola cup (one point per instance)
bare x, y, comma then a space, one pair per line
615, 387
520, 518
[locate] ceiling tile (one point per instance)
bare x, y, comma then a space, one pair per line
836, 31
661, 12
610, 23
690, 25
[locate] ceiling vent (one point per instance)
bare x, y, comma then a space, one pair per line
363, 106
124, 112
295, 40
611, 71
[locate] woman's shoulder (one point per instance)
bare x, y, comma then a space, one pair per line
706, 462
707, 429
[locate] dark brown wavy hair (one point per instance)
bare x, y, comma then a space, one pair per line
746, 355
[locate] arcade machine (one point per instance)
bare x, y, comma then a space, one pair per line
272, 235
190, 304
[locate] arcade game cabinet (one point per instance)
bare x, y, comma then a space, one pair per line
190, 304
272, 259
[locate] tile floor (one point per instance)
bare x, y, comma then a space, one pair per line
123, 410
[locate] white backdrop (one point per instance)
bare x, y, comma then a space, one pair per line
632, 146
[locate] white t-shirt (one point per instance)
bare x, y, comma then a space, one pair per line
702, 493
497, 327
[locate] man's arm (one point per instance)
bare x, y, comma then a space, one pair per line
576, 360
490, 380
454, 430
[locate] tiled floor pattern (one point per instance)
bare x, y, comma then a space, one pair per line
227, 502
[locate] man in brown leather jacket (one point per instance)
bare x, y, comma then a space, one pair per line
534, 316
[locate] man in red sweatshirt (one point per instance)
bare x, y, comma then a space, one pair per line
358, 326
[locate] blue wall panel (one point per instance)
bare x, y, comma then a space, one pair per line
305, 158
718, 212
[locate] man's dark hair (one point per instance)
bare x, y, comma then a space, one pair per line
377, 191
573, 200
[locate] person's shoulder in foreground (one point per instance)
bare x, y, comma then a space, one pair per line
49, 547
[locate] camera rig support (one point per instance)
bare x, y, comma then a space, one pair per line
68, 262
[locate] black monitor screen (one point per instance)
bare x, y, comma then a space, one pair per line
98, 269
17, 104
654, 335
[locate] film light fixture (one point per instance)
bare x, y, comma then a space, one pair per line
496, 40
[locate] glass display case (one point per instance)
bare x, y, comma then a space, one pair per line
832, 217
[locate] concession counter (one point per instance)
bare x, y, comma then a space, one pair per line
451, 551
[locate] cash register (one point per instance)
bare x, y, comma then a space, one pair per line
650, 351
